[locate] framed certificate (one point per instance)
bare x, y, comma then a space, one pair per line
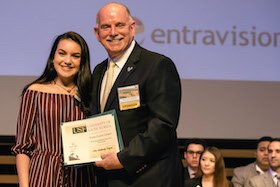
85, 140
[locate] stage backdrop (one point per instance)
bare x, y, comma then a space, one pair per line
227, 55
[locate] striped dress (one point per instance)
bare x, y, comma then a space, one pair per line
38, 136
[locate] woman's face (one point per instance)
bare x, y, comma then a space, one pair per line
67, 60
207, 163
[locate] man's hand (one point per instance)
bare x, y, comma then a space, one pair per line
109, 161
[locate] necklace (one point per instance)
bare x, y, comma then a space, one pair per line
68, 90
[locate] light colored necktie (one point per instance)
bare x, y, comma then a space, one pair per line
278, 181
108, 85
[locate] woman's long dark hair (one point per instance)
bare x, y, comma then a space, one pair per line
220, 177
83, 77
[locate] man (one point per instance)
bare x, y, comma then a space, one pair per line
149, 119
271, 178
192, 153
242, 174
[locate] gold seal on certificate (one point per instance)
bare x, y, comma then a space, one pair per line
85, 140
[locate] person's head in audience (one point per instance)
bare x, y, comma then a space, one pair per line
274, 155
262, 152
192, 152
212, 168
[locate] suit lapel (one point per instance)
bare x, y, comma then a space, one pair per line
268, 181
127, 70
253, 170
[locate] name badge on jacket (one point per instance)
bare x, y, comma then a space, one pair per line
129, 97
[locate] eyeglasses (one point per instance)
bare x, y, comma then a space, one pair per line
194, 152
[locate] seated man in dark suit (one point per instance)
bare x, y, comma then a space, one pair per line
192, 153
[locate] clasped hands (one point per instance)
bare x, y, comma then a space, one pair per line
110, 161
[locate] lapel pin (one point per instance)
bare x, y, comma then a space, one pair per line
129, 69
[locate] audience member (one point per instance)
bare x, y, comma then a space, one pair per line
271, 178
211, 171
242, 174
193, 150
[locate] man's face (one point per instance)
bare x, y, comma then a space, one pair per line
274, 155
115, 30
262, 154
192, 155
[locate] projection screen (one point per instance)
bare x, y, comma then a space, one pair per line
226, 52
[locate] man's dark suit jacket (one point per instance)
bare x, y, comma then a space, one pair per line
186, 175
150, 157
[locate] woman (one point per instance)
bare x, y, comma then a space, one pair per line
212, 171
60, 94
